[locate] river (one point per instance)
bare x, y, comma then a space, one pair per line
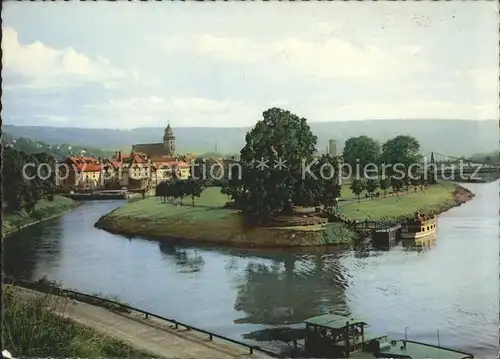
451, 287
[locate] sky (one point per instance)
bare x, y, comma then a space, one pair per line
143, 64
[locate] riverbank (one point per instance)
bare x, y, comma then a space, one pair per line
36, 325
91, 331
44, 210
435, 199
209, 222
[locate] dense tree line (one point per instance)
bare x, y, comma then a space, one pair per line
22, 191
366, 154
390, 165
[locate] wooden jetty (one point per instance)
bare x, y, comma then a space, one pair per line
386, 237
381, 234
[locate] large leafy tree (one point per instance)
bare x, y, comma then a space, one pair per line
280, 137
401, 151
361, 150
27, 179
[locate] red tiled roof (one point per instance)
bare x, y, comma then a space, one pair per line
87, 164
177, 163
163, 159
91, 168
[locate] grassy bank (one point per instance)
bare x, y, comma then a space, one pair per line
209, 222
33, 327
44, 209
436, 199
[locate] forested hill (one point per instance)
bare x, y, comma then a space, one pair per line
451, 137
59, 152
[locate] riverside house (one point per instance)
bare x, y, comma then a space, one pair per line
80, 172
164, 168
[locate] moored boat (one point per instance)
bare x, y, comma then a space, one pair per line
334, 336
419, 227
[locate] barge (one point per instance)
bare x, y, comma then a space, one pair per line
334, 336
419, 227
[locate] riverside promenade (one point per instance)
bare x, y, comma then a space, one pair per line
152, 336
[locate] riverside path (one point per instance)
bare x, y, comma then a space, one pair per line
152, 336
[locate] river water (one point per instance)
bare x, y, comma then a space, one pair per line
451, 287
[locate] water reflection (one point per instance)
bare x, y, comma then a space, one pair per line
29, 256
419, 244
290, 291
189, 261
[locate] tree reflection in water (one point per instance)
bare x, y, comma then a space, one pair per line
22, 250
189, 260
291, 291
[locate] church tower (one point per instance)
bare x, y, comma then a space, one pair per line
169, 141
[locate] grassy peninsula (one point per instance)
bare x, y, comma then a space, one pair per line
209, 222
434, 199
44, 209
33, 326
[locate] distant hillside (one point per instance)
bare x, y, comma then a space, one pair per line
451, 137
60, 152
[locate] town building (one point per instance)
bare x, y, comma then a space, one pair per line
165, 148
80, 172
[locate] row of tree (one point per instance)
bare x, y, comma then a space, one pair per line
371, 185
178, 189
24, 186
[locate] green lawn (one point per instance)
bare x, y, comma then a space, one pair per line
43, 209
209, 222
154, 207
397, 206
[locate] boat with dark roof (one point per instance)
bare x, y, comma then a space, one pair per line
419, 227
334, 336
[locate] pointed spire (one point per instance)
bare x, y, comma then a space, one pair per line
168, 131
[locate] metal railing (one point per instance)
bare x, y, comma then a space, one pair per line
49, 289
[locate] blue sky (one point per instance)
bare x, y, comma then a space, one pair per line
125, 65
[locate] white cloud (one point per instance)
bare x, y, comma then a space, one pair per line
484, 79
332, 58
41, 66
232, 49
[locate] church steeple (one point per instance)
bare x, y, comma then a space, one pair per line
169, 140
168, 133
